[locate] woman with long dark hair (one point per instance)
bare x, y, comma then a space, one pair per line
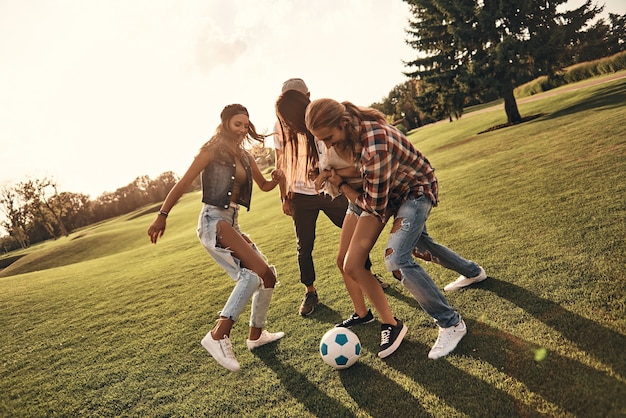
298, 155
291, 108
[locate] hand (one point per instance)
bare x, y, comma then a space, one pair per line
321, 179
277, 175
157, 229
334, 178
287, 207
313, 173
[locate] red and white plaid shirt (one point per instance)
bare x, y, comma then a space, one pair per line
392, 168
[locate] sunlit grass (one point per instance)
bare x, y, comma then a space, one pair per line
102, 323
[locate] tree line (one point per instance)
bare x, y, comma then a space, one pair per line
476, 51
36, 211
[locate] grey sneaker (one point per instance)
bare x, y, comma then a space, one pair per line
265, 338
356, 320
463, 281
309, 303
222, 351
447, 340
391, 337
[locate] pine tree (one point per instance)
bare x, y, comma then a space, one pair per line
479, 46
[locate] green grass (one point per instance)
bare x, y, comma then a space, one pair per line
102, 323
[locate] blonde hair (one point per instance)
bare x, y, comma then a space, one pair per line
329, 113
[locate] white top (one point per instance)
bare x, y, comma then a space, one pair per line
333, 160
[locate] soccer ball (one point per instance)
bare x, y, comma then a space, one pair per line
340, 348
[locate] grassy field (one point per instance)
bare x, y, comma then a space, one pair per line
102, 323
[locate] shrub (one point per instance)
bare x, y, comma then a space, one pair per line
573, 74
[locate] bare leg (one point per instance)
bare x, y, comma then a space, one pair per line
352, 286
366, 232
222, 328
242, 249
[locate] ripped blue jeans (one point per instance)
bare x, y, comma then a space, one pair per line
248, 284
413, 215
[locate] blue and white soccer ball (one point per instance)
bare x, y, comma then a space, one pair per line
340, 348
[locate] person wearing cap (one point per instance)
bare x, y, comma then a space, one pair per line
298, 155
226, 171
291, 108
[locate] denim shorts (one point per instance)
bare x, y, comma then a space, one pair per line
354, 209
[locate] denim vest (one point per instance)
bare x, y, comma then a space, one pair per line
218, 180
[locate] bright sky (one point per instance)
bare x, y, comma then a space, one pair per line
95, 93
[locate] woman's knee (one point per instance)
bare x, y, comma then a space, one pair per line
353, 268
391, 264
392, 261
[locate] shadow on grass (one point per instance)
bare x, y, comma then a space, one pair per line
601, 342
612, 96
364, 384
301, 388
573, 386
509, 124
468, 394
324, 314
7, 261
154, 208
402, 296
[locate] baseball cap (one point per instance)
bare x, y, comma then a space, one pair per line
295, 84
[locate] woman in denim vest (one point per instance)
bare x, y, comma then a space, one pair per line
227, 171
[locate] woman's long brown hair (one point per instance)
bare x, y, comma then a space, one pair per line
290, 109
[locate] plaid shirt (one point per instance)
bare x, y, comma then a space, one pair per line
393, 170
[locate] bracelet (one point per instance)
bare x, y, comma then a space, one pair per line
162, 213
341, 183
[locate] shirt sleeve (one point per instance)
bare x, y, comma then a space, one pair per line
278, 134
322, 154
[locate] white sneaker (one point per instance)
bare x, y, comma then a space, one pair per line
463, 281
265, 338
222, 351
447, 340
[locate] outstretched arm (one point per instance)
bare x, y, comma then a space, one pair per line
263, 183
157, 228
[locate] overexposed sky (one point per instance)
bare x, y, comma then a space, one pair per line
95, 93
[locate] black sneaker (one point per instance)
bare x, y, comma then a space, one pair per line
309, 303
356, 320
379, 278
390, 338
